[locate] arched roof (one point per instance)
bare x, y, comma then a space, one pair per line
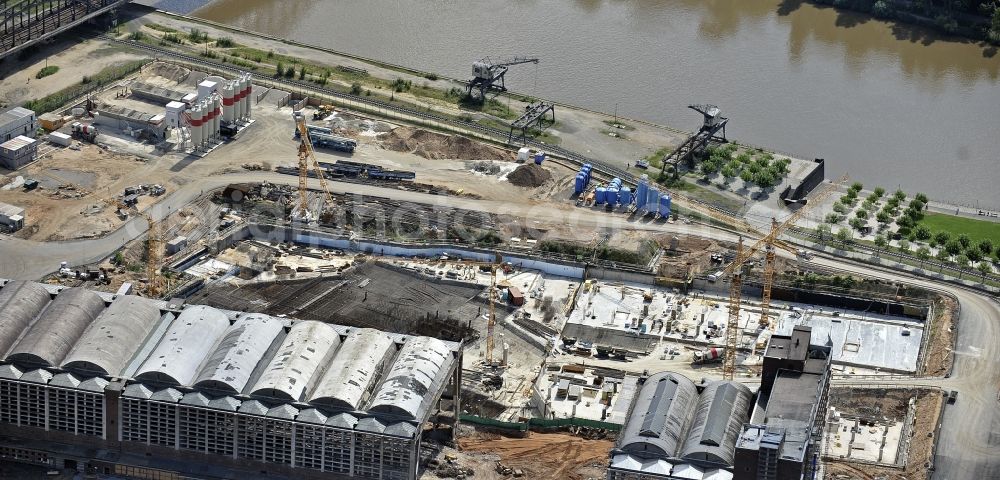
52, 336
411, 382
243, 345
114, 337
722, 410
660, 409
20, 303
354, 370
188, 341
296, 367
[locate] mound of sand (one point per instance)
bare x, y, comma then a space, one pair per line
437, 146
529, 175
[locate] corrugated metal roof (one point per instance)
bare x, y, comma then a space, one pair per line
168, 395
96, 384
283, 411
661, 409
225, 403
188, 341
370, 424
302, 357
253, 407
721, 411
52, 336
65, 380
196, 399
343, 420
311, 415
354, 370
137, 390
401, 429
37, 376
17, 143
9, 210
20, 303
239, 351
114, 337
418, 370
14, 115
10, 372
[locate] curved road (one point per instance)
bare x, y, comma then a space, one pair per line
969, 443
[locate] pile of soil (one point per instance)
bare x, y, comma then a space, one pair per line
169, 71
529, 175
437, 146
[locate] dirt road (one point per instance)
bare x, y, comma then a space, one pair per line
555, 456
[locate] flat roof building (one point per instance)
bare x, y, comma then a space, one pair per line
18, 152
782, 437
17, 121
137, 387
11, 217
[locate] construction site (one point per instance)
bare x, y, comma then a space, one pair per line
482, 308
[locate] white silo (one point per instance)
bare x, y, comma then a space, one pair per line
241, 108
216, 115
206, 120
228, 97
248, 98
196, 120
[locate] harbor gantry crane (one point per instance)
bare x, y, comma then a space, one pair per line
307, 160
735, 271
488, 74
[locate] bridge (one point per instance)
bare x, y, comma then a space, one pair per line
24, 23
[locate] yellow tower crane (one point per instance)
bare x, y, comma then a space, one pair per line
735, 271
154, 247
307, 160
495, 265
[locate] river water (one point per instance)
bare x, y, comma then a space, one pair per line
889, 105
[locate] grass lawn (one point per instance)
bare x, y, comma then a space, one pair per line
975, 229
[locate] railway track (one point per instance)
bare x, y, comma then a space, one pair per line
570, 159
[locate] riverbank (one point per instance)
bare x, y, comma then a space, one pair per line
967, 24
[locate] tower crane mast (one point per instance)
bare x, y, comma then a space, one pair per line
307, 160
735, 271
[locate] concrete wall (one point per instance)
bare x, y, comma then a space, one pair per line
807, 184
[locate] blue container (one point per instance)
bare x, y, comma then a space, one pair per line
539, 158
580, 183
652, 197
587, 167
625, 196
665, 205
600, 196
640, 193
611, 196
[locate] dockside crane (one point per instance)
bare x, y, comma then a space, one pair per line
488, 74
735, 270
307, 160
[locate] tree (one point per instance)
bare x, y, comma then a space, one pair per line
963, 263
708, 168
823, 230
857, 224
923, 233
899, 196
986, 246
878, 192
953, 247
881, 9
856, 187
964, 240
883, 218
881, 242
942, 237
994, 32
279, 69
833, 217
747, 177
942, 256
923, 253
844, 235
904, 246
923, 198
861, 213
840, 207
985, 269
916, 204
974, 254
728, 173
